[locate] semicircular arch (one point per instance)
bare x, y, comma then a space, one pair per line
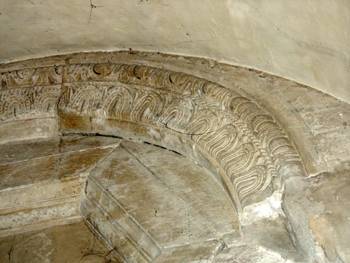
217, 127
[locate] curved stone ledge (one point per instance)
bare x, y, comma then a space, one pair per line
318, 123
214, 125
206, 112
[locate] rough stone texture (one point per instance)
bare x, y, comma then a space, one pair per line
216, 126
40, 181
134, 196
331, 227
71, 243
278, 149
304, 40
318, 123
320, 204
147, 201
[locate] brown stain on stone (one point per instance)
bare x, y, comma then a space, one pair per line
27, 172
324, 235
68, 243
74, 122
75, 163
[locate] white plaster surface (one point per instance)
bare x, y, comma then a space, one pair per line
304, 40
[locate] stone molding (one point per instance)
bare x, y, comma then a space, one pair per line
216, 126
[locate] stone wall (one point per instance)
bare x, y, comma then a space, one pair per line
267, 140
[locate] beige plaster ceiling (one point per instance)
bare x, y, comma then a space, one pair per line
303, 40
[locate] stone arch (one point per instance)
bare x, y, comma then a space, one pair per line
215, 126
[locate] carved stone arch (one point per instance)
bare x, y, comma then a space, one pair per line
212, 124
203, 114
218, 127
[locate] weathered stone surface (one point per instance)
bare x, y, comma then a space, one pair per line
196, 252
249, 254
30, 129
239, 125
156, 201
330, 227
318, 209
20, 91
270, 235
298, 108
40, 181
301, 110
69, 243
57, 158
231, 133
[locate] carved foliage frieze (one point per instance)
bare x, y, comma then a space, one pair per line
29, 93
32, 102
41, 76
244, 141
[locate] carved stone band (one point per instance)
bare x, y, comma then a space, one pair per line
216, 126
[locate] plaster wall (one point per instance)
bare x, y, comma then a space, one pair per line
303, 40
